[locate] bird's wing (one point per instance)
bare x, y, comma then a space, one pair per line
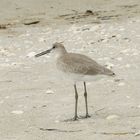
80, 64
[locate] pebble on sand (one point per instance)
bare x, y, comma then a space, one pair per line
111, 117
121, 84
49, 91
18, 112
127, 65
57, 121
137, 133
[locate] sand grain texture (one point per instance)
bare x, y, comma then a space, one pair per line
35, 102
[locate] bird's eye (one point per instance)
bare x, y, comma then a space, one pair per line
54, 47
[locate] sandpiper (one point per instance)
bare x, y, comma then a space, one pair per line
79, 67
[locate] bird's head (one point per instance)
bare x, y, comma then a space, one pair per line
57, 49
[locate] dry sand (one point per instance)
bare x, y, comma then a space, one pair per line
35, 103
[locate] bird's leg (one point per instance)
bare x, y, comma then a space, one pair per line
76, 102
86, 103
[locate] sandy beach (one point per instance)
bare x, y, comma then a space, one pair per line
36, 102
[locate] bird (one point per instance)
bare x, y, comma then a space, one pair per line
79, 67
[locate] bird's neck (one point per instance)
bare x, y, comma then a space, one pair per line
61, 53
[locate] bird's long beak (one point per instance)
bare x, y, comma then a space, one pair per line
44, 52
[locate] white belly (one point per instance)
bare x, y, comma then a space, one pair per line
78, 77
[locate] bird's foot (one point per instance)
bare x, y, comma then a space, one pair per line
87, 116
75, 118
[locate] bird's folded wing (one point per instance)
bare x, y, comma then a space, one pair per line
80, 64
